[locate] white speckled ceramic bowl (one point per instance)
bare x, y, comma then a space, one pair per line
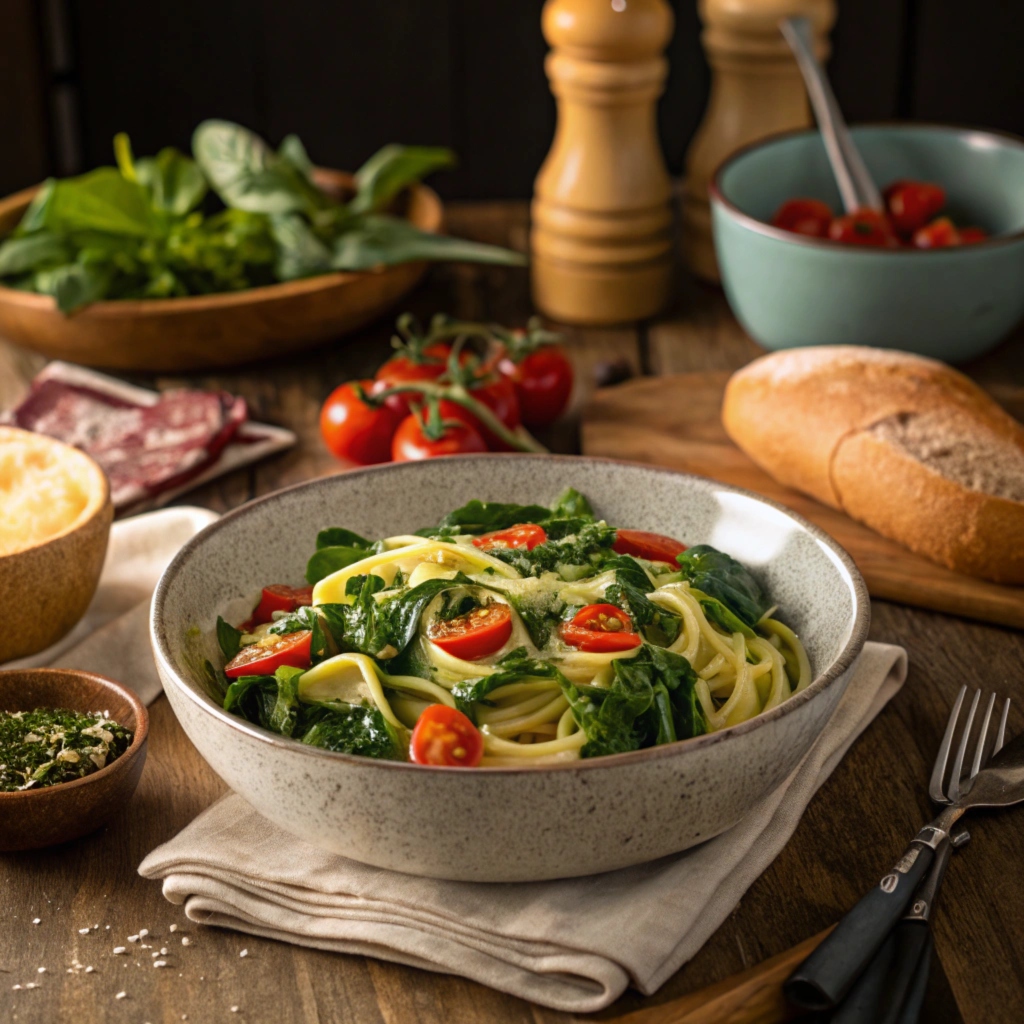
507, 824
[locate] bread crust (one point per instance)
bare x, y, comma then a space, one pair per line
805, 417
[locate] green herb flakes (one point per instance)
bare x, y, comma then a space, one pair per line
49, 746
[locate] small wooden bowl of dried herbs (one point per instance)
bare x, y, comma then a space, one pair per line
72, 749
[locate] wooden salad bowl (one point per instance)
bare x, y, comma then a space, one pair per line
210, 331
36, 818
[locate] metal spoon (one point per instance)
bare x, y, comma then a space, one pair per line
855, 185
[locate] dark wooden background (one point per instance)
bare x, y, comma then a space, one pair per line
350, 75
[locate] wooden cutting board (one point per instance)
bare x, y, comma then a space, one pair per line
674, 421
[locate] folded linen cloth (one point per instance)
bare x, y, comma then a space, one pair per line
573, 945
112, 638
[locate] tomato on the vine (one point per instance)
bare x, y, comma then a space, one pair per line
474, 635
404, 369
498, 394
411, 442
809, 217
266, 656
354, 429
543, 383
445, 736
601, 629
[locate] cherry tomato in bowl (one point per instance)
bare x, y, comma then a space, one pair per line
525, 535
912, 204
411, 443
543, 382
600, 629
354, 429
863, 227
266, 656
939, 234
445, 736
809, 217
474, 635
279, 597
655, 547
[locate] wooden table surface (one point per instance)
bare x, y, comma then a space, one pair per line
855, 825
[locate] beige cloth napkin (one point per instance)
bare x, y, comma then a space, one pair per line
113, 636
573, 945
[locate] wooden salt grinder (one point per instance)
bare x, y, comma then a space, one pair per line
756, 89
601, 238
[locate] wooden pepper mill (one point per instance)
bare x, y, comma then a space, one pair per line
756, 89
601, 238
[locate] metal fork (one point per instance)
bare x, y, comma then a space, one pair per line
828, 974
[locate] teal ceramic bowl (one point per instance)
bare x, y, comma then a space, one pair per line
952, 304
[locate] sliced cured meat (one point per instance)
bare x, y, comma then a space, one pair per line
144, 449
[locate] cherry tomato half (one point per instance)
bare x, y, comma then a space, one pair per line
970, 235
410, 443
655, 547
403, 370
279, 598
543, 383
940, 234
499, 395
525, 535
600, 628
863, 227
354, 430
445, 736
266, 656
474, 635
911, 204
804, 217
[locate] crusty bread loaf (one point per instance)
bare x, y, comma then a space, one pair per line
901, 443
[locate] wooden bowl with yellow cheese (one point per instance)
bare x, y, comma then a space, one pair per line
53, 539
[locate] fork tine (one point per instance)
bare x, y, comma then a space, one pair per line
953, 793
1001, 731
979, 751
935, 788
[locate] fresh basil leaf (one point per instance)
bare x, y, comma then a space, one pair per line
377, 240
392, 169
229, 638
174, 182
248, 175
21, 254
102, 200
72, 285
720, 576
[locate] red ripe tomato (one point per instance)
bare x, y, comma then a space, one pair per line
410, 443
863, 227
655, 547
970, 235
404, 370
268, 655
499, 395
445, 736
543, 383
940, 234
354, 430
279, 598
600, 628
526, 535
911, 204
804, 217
474, 635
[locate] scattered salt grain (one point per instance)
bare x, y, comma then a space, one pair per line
244, 952
31, 984
154, 955
36, 920
174, 928
89, 970
186, 941
133, 938
143, 932
40, 970
120, 995
83, 931
159, 963
163, 952
120, 949
234, 1009
16, 988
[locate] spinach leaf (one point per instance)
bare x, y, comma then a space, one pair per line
720, 576
572, 505
392, 169
292, 150
355, 730
299, 252
270, 701
486, 516
306, 617
583, 551
174, 182
337, 548
515, 667
72, 285
671, 676
721, 616
102, 200
377, 240
248, 175
629, 592
609, 715
229, 638
30, 252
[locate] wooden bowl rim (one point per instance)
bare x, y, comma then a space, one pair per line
121, 764
95, 509
122, 308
